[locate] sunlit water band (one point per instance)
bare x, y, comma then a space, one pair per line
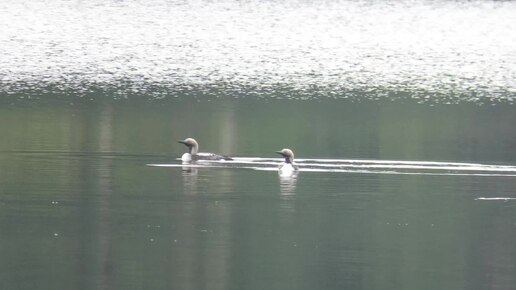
431, 51
359, 166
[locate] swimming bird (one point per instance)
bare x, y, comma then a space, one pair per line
193, 153
288, 167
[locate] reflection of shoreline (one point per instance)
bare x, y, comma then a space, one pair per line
208, 222
103, 239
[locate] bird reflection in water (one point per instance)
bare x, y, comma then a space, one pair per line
288, 183
288, 172
190, 178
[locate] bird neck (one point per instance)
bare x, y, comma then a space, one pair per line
193, 149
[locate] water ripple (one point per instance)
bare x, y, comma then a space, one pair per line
396, 167
431, 51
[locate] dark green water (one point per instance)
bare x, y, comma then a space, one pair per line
80, 209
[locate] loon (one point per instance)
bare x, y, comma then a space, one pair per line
193, 153
288, 167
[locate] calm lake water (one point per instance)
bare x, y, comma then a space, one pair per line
400, 114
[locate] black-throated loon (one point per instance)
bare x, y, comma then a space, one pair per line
288, 167
193, 153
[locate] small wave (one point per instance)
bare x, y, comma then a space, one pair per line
384, 164
495, 198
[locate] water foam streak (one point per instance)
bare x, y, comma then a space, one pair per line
362, 166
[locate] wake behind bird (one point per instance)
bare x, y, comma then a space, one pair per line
357, 166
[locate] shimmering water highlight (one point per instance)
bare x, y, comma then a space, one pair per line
432, 51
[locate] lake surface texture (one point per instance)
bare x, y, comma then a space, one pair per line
401, 115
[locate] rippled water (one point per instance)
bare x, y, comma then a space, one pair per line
432, 51
358, 166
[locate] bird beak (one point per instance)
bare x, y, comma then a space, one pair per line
181, 141
279, 152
